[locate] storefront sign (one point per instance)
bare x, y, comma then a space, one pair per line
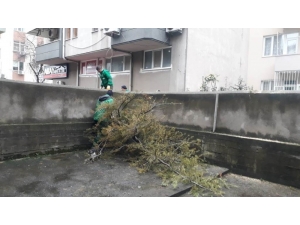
54, 72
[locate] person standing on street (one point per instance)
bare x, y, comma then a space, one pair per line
106, 79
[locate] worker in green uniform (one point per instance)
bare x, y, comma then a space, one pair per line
106, 79
105, 99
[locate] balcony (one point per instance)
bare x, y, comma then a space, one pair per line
140, 39
50, 53
2, 30
287, 62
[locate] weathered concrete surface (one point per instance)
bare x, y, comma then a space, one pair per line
24, 103
65, 175
19, 140
249, 187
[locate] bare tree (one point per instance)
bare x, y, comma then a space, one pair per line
38, 69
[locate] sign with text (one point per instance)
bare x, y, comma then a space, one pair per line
58, 71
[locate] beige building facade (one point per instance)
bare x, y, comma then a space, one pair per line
274, 59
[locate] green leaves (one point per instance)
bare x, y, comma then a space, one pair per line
132, 130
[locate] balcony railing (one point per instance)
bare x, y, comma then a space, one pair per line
287, 80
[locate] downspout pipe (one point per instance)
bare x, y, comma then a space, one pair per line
131, 67
186, 51
65, 58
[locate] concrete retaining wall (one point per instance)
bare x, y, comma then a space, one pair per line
255, 134
40, 118
263, 115
277, 162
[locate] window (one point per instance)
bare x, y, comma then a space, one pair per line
71, 33
157, 58
287, 80
290, 85
68, 33
118, 64
75, 33
89, 67
18, 65
21, 66
267, 85
19, 46
281, 44
95, 29
19, 29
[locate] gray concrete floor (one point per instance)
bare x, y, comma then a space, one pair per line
65, 175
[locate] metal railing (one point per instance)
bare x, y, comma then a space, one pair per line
287, 80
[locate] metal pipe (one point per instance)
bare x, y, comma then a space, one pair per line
65, 58
186, 51
216, 112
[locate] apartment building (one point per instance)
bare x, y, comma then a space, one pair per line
2, 30
274, 59
16, 51
145, 59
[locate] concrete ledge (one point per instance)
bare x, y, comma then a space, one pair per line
277, 162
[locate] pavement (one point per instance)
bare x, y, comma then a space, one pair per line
66, 175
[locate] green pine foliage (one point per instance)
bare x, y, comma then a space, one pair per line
129, 127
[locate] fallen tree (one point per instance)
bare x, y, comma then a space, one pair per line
129, 127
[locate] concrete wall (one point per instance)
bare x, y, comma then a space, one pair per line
169, 80
193, 111
222, 52
250, 128
256, 135
38, 118
260, 115
258, 158
267, 115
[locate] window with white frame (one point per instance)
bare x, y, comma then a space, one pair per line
18, 65
156, 59
281, 44
19, 46
118, 64
267, 85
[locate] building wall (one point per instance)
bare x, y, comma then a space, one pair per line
87, 41
6, 42
163, 80
8, 55
222, 52
72, 75
259, 67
